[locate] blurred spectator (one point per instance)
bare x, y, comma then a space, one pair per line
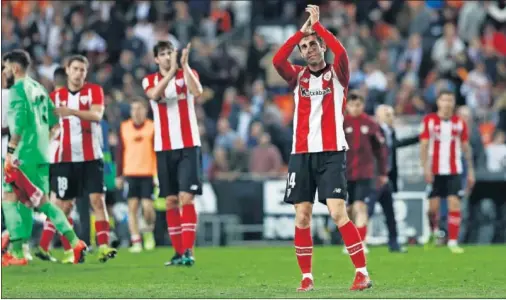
226, 136
474, 51
368, 42
134, 43
474, 136
496, 153
239, 157
256, 132
500, 108
47, 68
220, 167
375, 79
446, 49
265, 158
357, 77
274, 81
477, 89
258, 97
412, 55
257, 49
183, 25
10, 40
126, 65
471, 17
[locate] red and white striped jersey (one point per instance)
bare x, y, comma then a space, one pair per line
78, 140
320, 97
175, 119
319, 112
445, 143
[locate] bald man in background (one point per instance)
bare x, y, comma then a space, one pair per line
385, 118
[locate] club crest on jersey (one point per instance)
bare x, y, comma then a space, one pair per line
180, 82
305, 80
364, 129
181, 96
348, 129
84, 99
327, 76
314, 92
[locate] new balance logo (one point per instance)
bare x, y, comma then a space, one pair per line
337, 191
194, 187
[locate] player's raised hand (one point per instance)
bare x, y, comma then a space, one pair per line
185, 54
306, 28
173, 60
314, 13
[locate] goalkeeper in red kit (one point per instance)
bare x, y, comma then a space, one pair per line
318, 159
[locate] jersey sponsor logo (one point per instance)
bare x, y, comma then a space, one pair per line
327, 76
180, 82
84, 99
315, 92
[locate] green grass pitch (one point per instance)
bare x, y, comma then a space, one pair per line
239, 272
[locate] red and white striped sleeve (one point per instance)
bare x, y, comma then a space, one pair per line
424, 130
97, 95
464, 136
148, 82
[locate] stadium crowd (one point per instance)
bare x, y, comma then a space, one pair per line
402, 53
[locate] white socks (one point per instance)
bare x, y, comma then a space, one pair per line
363, 271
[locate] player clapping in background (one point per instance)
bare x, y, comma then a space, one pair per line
318, 159
367, 146
444, 137
172, 91
136, 166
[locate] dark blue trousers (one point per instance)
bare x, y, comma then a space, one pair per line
386, 200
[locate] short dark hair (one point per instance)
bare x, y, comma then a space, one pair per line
59, 73
445, 92
18, 56
318, 38
77, 57
59, 76
355, 96
162, 45
140, 100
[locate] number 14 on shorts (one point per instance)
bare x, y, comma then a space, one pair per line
290, 183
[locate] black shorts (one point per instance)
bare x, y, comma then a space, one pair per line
110, 197
359, 190
140, 187
307, 172
446, 185
179, 171
70, 180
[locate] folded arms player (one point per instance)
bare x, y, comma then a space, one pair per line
77, 167
318, 159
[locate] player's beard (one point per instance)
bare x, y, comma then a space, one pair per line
9, 81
